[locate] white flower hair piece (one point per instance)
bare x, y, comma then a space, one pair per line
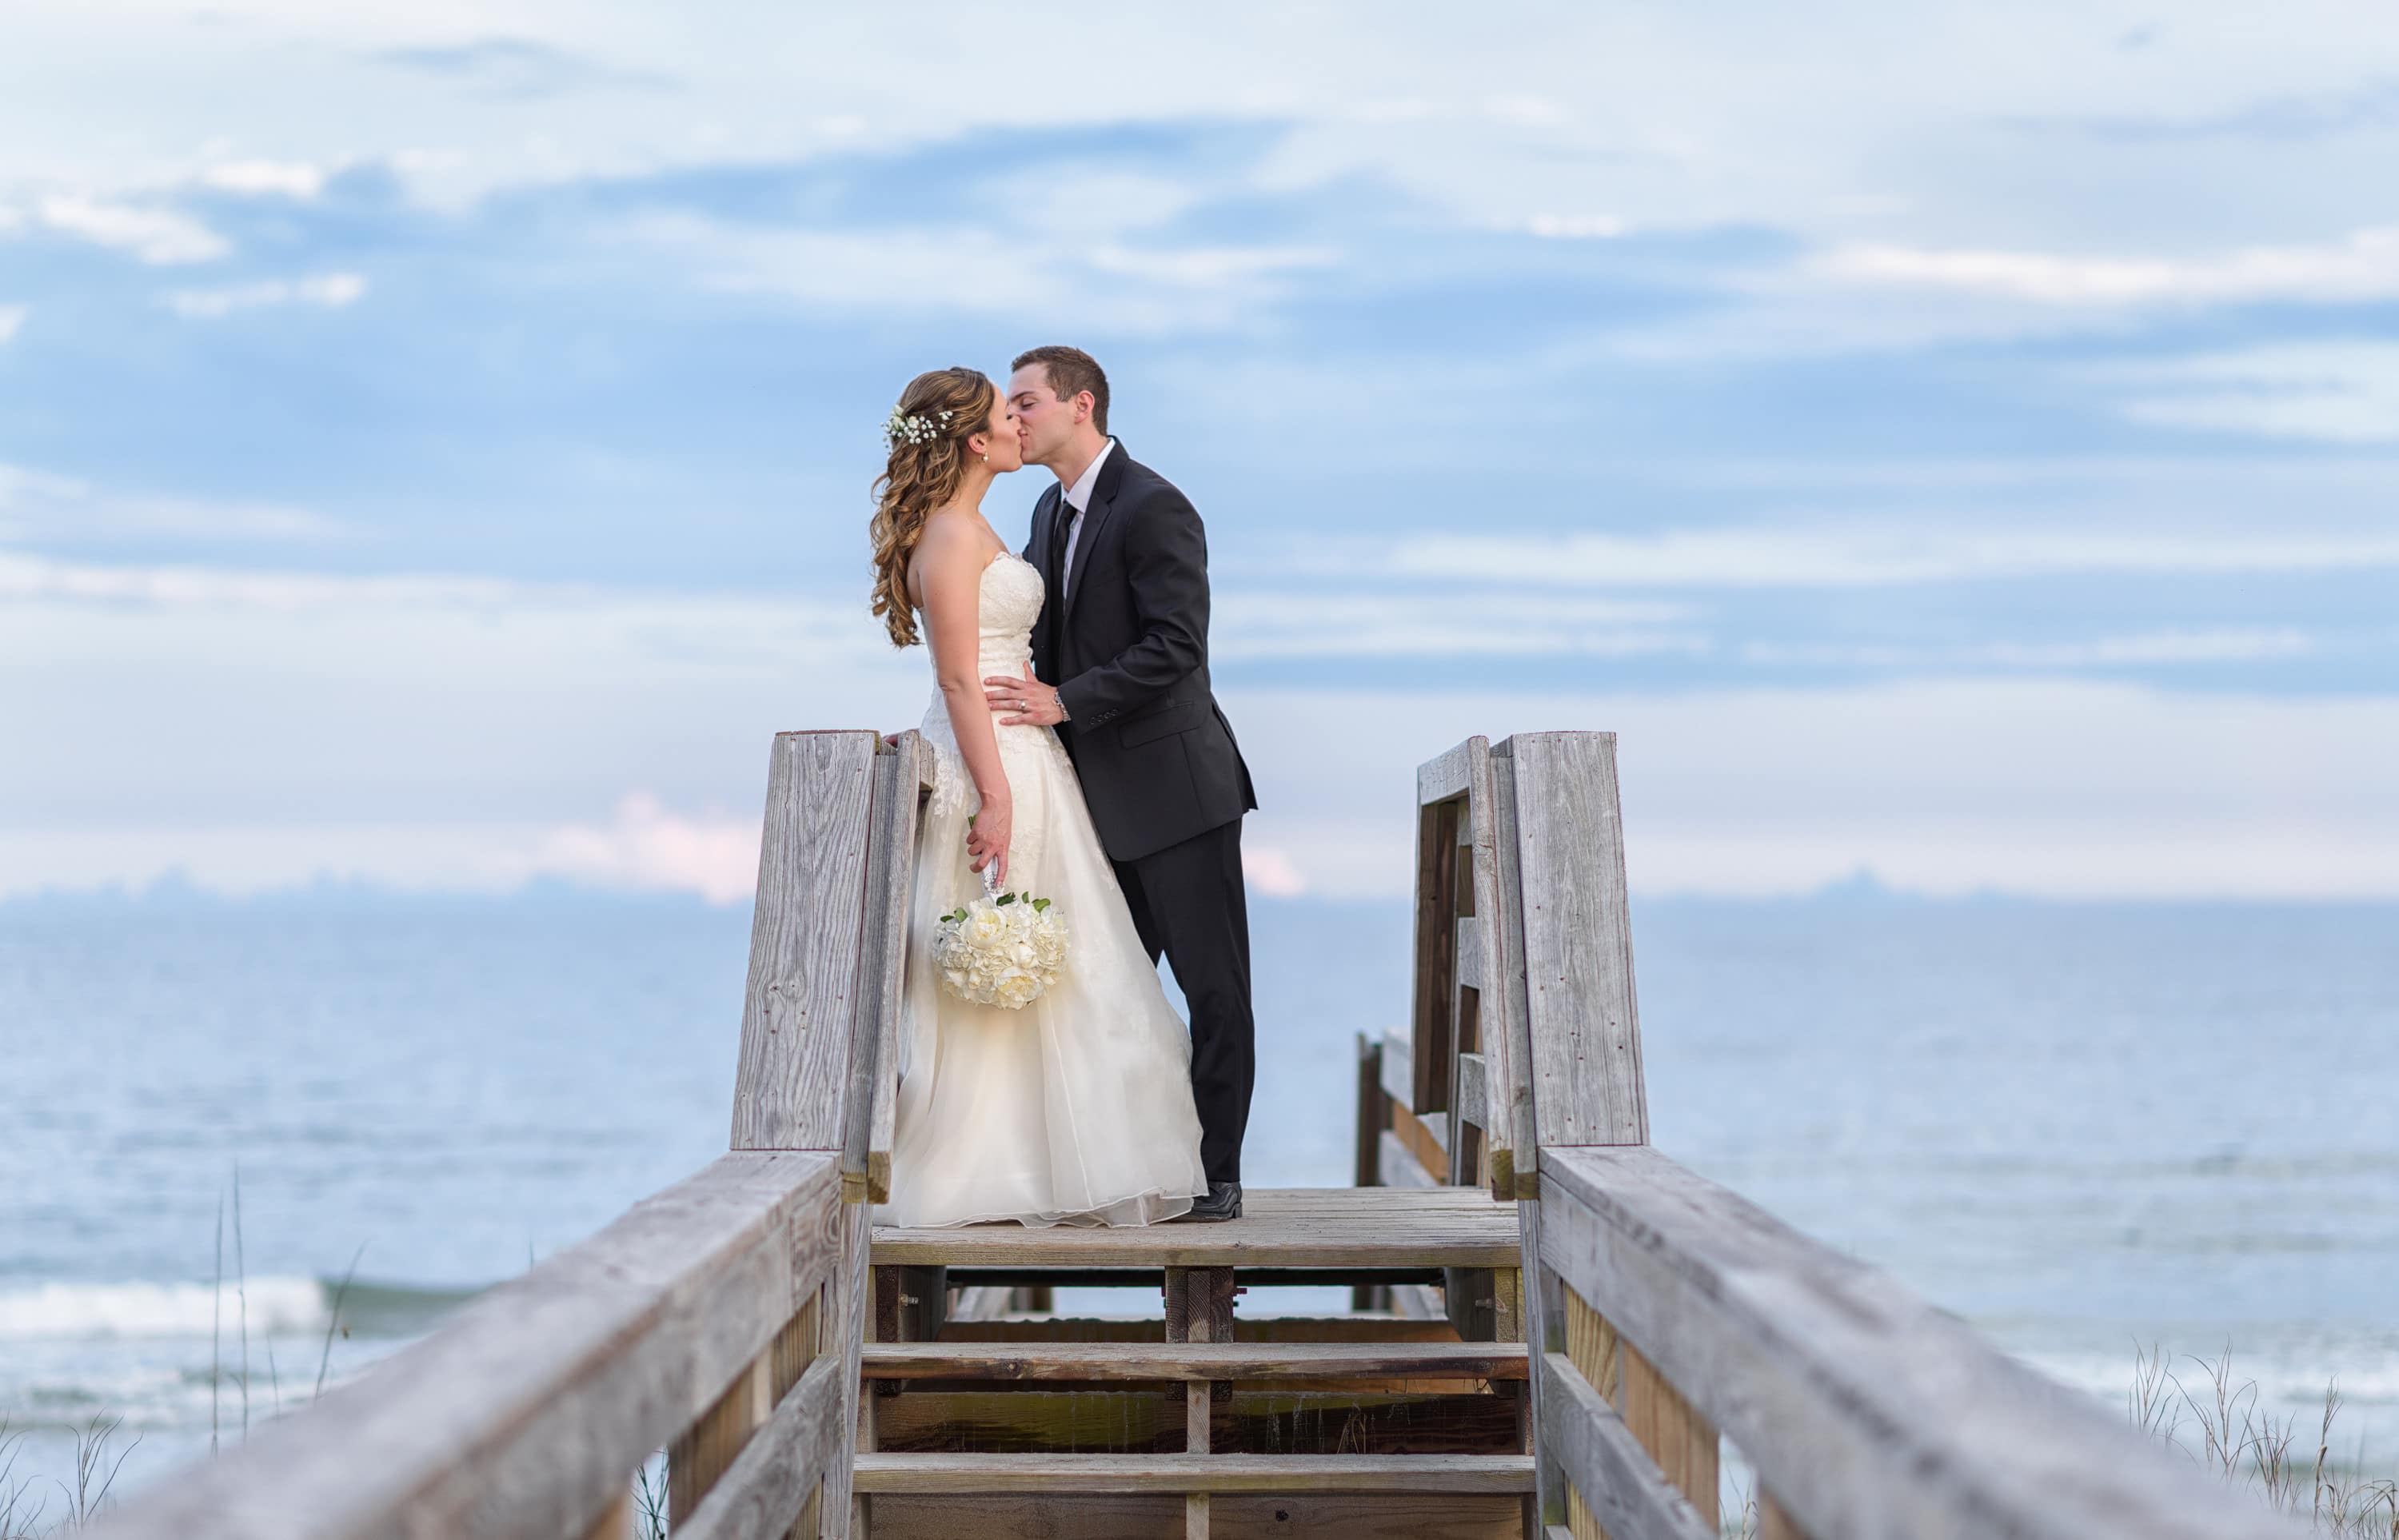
918, 429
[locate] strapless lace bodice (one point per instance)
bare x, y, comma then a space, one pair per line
1012, 592
1012, 595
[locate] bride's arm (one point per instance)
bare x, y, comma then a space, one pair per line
949, 565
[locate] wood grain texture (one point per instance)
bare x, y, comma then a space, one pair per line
1583, 1028
1474, 1089
800, 1007
760, 1495
1591, 1346
1247, 1362
709, 1445
1867, 1412
1423, 1138
1678, 1439
526, 1412
1507, 1028
1619, 1486
1448, 774
1281, 1516
848, 1297
1280, 1227
1180, 1473
871, 1103
1434, 990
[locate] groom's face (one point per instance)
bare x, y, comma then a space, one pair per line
1043, 422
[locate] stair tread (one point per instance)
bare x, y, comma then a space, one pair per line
1136, 1473
1280, 1227
1153, 1361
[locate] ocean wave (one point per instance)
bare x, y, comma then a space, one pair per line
269, 1306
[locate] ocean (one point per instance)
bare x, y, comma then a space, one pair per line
2089, 1129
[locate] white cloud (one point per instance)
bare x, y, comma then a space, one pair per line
1575, 227
1248, 625
1271, 870
331, 290
39, 503
2330, 392
11, 318
159, 236
2237, 645
293, 179
2364, 266
1841, 556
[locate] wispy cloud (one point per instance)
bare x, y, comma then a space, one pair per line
160, 236
293, 179
41, 506
2240, 645
11, 318
329, 290
645, 847
1252, 626
1840, 556
2364, 266
519, 68
2310, 115
2333, 392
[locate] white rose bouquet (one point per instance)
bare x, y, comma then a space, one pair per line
1003, 949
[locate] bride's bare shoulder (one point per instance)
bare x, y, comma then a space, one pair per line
951, 545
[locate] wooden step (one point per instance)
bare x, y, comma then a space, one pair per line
1250, 1362
1280, 1227
1193, 1473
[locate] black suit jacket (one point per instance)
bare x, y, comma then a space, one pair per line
1128, 648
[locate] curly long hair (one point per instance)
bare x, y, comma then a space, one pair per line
923, 471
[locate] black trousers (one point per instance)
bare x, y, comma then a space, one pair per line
1188, 903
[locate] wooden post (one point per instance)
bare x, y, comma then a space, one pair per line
1373, 1117
1436, 954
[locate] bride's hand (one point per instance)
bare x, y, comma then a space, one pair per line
987, 836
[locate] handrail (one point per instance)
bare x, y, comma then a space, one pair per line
528, 1411
1665, 1307
1865, 1409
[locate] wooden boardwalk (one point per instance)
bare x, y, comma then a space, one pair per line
1552, 1331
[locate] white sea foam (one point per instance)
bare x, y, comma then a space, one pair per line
62, 1311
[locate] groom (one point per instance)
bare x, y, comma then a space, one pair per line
1124, 636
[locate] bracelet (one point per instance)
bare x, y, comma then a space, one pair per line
1059, 697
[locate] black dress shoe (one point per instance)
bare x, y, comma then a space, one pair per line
1223, 1201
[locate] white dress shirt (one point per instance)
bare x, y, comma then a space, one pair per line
1078, 497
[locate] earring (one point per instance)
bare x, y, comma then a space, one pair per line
986, 457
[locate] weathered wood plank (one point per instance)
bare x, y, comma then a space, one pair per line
525, 1413
1179, 1472
1506, 1030
1433, 990
1614, 1476
760, 1495
1678, 1437
1867, 1411
872, 1099
804, 970
1281, 1227
1446, 775
1248, 1362
1470, 951
1584, 1029
1280, 1516
702, 1454
1473, 1083
849, 1295
1423, 1138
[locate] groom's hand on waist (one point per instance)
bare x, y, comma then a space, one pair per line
1032, 702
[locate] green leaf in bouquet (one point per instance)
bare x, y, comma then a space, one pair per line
1041, 904
1003, 901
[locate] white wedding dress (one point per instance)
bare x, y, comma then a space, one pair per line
1077, 1109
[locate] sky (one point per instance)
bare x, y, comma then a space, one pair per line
1958, 444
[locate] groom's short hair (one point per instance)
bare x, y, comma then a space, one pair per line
1071, 370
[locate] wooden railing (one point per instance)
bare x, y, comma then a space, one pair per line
1667, 1315
720, 1320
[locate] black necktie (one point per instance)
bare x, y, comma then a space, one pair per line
1067, 516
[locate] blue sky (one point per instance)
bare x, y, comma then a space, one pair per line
1959, 444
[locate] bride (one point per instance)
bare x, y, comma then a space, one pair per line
1078, 1108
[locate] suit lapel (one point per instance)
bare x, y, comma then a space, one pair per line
1095, 518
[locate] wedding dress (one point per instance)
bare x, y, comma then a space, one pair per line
1078, 1108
